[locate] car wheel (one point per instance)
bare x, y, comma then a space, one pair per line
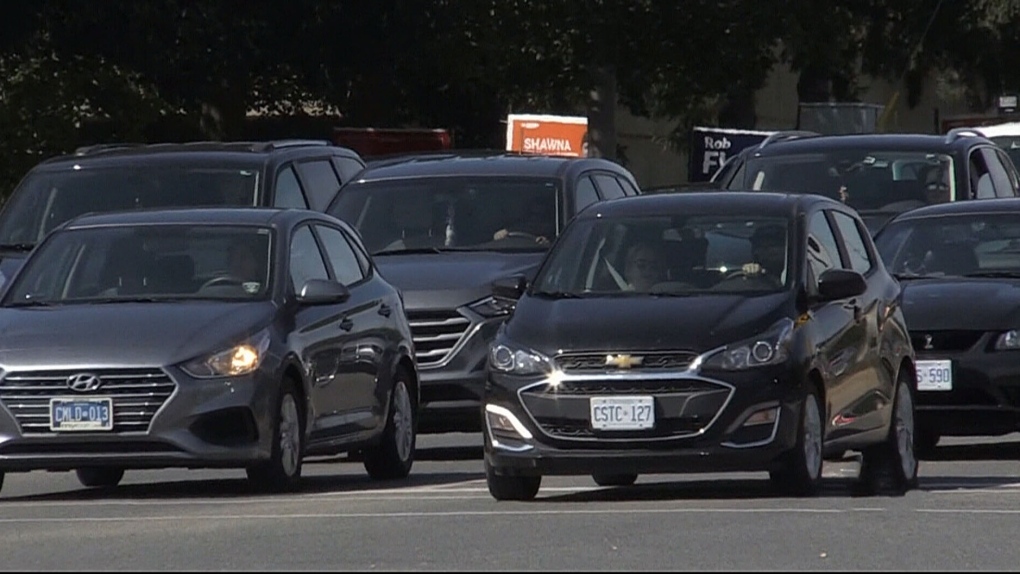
511, 487
283, 469
614, 479
801, 470
892, 465
393, 456
925, 442
99, 476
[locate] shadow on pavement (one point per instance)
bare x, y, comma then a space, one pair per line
976, 451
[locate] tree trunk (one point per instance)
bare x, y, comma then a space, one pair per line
602, 114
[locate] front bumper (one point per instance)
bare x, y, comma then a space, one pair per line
699, 426
985, 394
161, 418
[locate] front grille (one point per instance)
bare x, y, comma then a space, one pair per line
435, 334
683, 406
670, 360
137, 395
946, 341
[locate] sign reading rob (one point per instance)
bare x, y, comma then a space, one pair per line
711, 147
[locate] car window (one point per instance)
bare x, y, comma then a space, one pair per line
320, 180
854, 241
1010, 168
609, 187
305, 258
288, 190
964, 244
822, 249
1000, 179
980, 178
463, 212
347, 167
585, 193
341, 255
628, 187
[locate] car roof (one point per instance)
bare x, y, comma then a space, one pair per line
204, 152
991, 205
764, 203
195, 215
887, 141
493, 163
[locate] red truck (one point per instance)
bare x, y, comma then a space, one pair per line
370, 142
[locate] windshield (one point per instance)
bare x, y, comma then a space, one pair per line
44, 200
952, 245
866, 180
668, 255
491, 213
155, 262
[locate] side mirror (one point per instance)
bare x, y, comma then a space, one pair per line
511, 287
323, 291
840, 284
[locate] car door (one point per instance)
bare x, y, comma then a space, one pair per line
837, 337
364, 324
869, 382
320, 339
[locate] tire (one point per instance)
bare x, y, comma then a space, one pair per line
101, 477
393, 456
925, 442
511, 487
282, 471
891, 466
800, 472
614, 479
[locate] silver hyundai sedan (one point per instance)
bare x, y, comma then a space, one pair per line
229, 337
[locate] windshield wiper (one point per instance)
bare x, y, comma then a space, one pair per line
128, 299
995, 274
912, 276
558, 294
17, 246
410, 251
32, 303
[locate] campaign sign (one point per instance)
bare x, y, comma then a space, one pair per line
711, 147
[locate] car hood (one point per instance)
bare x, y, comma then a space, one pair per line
698, 323
124, 334
451, 279
961, 303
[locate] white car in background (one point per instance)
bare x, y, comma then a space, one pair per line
1005, 135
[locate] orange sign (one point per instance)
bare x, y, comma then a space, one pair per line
547, 135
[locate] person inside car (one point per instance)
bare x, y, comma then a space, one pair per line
539, 222
768, 248
644, 266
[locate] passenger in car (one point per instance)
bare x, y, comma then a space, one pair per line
644, 266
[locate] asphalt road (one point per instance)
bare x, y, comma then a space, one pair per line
963, 516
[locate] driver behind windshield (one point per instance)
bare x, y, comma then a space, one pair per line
538, 222
768, 247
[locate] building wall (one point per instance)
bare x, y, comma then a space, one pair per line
655, 164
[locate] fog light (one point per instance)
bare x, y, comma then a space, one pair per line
764, 417
501, 419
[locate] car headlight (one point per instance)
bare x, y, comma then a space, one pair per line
508, 358
769, 348
1008, 341
238, 360
493, 306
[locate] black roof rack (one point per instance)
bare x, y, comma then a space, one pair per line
786, 135
100, 148
250, 146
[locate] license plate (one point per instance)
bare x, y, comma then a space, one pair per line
935, 375
622, 413
74, 414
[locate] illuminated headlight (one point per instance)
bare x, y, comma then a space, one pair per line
769, 348
501, 420
493, 306
507, 358
1008, 341
235, 361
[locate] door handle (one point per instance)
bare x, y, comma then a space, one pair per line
385, 310
346, 324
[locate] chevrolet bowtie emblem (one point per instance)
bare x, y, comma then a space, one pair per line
622, 361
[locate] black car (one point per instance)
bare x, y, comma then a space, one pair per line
703, 331
880, 175
111, 177
959, 265
442, 227
234, 337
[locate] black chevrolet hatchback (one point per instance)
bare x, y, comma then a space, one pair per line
703, 331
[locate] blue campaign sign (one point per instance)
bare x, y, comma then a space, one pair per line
711, 147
